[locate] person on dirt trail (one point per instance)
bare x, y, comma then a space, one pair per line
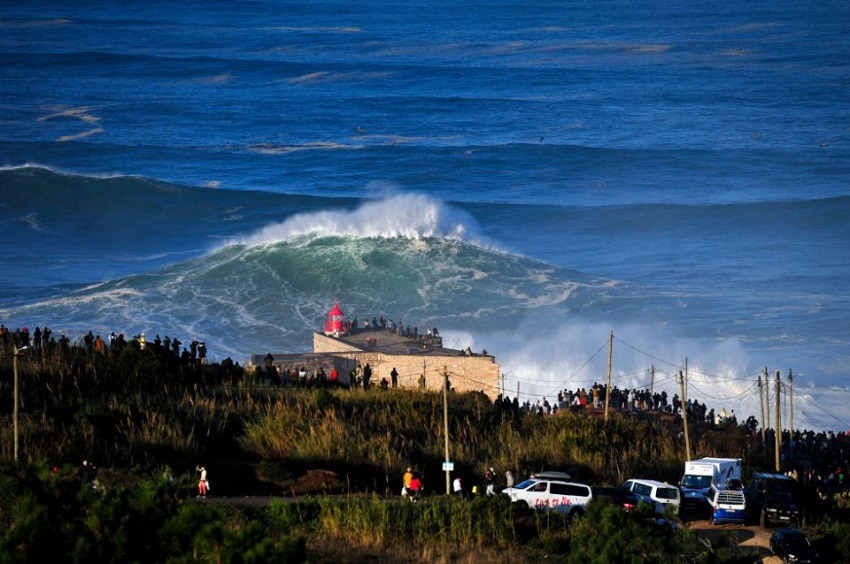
415, 487
203, 484
406, 479
490, 480
457, 487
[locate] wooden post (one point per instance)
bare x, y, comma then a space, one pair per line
446, 425
15, 405
761, 404
791, 412
766, 398
778, 433
685, 414
652, 380
608, 387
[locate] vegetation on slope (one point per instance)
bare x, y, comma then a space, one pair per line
148, 420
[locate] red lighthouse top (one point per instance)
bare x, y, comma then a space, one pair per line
335, 325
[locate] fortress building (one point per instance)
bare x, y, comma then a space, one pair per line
417, 360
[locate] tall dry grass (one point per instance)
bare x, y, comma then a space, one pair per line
135, 408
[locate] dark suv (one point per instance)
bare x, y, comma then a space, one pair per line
770, 497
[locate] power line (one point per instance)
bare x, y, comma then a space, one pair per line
824, 410
715, 379
580, 368
653, 357
748, 390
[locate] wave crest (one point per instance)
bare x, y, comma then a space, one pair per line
411, 216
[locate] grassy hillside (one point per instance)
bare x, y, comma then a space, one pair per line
141, 409
147, 420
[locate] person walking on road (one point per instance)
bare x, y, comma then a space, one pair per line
490, 479
408, 477
457, 487
203, 484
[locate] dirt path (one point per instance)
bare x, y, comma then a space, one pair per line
751, 536
746, 536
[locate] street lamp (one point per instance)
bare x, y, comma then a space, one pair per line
15, 408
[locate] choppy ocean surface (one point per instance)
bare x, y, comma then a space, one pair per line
526, 176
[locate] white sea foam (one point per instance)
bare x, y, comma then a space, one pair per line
276, 149
81, 135
319, 29
63, 171
411, 216
81, 113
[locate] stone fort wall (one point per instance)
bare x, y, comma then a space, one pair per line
466, 373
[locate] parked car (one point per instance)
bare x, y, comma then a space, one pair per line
553, 475
764, 482
764, 485
552, 494
779, 508
618, 497
659, 495
792, 545
727, 505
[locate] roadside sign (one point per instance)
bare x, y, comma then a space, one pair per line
448, 466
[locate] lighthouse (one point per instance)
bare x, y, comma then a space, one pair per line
335, 325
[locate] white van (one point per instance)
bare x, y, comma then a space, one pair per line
551, 494
658, 494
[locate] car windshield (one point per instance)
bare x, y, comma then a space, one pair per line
668, 493
779, 497
796, 539
696, 482
778, 485
524, 484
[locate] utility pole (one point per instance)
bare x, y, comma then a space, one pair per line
608, 387
761, 404
652, 380
778, 433
685, 414
15, 353
15, 408
502, 389
446, 426
791, 412
766, 397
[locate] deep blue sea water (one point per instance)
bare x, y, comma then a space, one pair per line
527, 175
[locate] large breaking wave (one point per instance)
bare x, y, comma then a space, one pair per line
251, 273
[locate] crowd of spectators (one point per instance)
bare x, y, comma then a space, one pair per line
42, 344
633, 400
817, 460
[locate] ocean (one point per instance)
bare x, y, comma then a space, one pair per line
528, 176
